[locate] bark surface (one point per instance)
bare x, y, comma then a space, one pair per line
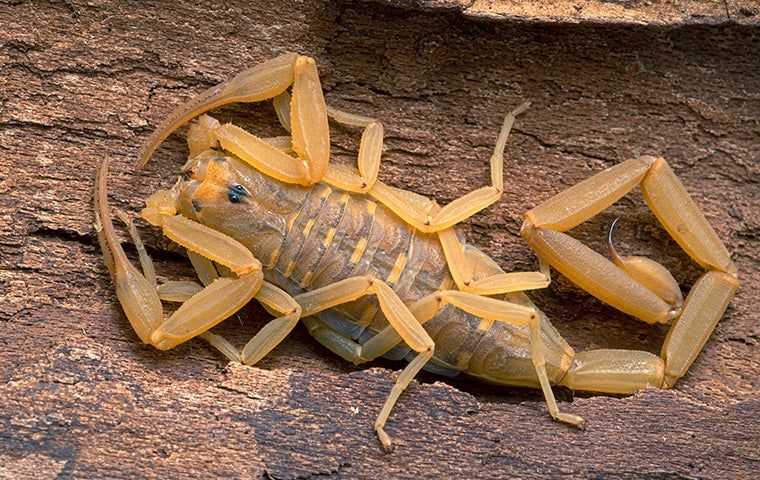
621, 12
81, 398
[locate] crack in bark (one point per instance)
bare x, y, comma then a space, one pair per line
563, 149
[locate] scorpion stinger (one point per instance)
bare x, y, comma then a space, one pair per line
620, 370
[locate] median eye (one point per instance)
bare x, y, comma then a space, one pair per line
239, 189
236, 193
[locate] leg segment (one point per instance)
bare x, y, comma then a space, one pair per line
501, 311
463, 207
399, 318
178, 291
462, 265
277, 329
204, 267
370, 150
281, 105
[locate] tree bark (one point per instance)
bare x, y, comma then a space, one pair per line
80, 397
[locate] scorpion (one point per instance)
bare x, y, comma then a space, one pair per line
376, 271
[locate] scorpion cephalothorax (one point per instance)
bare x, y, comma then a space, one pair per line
366, 265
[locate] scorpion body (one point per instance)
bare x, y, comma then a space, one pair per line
376, 271
309, 238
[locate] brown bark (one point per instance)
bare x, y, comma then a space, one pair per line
80, 397
623, 12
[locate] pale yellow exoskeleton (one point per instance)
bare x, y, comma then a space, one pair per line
370, 269
635, 285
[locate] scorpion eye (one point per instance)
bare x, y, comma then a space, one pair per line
239, 189
236, 193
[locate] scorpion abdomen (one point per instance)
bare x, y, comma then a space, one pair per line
312, 237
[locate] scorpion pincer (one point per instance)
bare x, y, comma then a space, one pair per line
375, 271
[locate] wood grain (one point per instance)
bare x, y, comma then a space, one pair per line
81, 398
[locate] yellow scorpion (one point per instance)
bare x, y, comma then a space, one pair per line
377, 271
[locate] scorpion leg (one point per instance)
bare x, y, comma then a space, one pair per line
266, 156
277, 329
203, 267
501, 311
178, 290
263, 81
462, 266
368, 161
463, 207
682, 218
370, 150
400, 319
272, 297
281, 143
308, 119
281, 105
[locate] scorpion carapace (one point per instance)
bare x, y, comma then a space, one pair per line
375, 271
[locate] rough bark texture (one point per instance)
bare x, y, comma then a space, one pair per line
624, 12
80, 397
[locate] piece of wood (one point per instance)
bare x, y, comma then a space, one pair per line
81, 398
603, 12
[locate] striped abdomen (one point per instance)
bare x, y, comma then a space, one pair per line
311, 237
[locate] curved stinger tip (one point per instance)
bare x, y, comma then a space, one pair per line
610, 245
